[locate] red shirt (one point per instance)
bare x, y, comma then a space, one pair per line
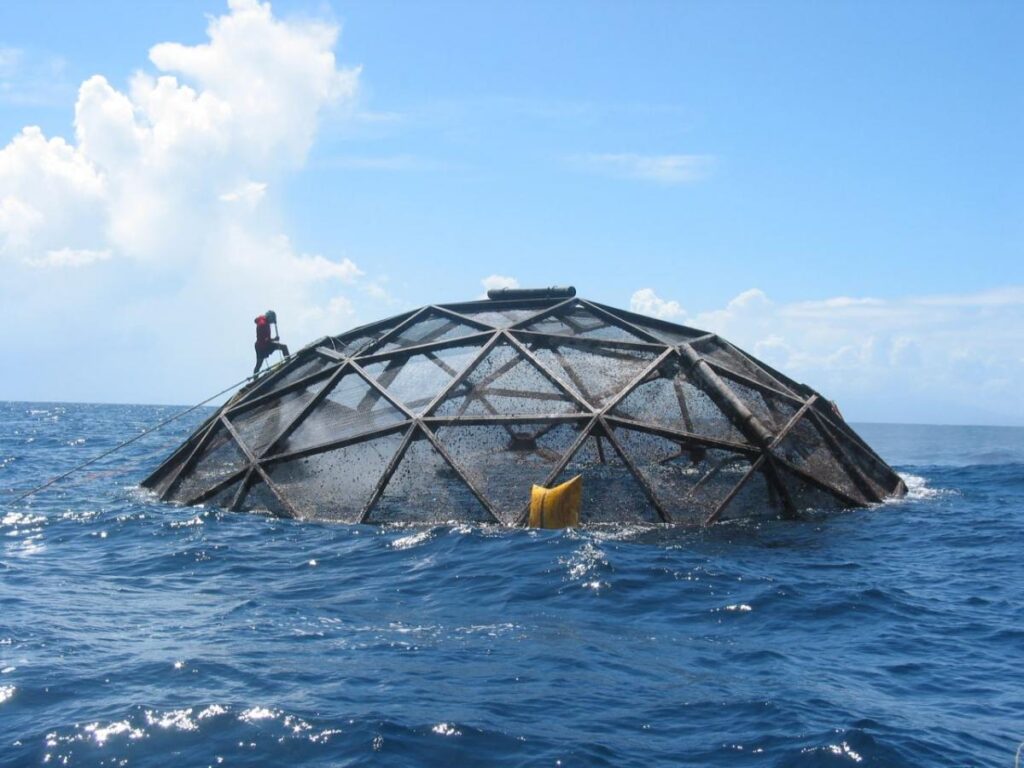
262, 333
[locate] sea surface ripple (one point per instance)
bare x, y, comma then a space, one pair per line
134, 632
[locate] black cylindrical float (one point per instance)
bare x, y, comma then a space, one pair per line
518, 294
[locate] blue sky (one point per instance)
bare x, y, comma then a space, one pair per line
835, 187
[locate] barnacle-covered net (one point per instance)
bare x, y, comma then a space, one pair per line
452, 412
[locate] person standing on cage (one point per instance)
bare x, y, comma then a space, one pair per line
265, 343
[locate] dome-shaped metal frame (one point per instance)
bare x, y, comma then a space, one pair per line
452, 412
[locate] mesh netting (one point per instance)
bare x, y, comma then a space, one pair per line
260, 426
611, 493
598, 372
225, 496
580, 322
430, 327
161, 480
219, 457
351, 407
453, 413
499, 318
506, 383
505, 460
689, 480
677, 403
415, 380
804, 447
336, 484
728, 358
299, 369
261, 498
805, 496
426, 488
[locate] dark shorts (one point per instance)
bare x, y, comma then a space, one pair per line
264, 350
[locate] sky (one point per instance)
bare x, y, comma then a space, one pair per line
837, 188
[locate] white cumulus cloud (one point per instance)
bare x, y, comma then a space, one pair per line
496, 282
166, 182
647, 302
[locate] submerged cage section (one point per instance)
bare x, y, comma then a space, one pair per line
452, 412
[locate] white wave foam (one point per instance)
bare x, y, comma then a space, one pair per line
256, 713
620, 531
101, 733
845, 750
80, 516
444, 729
491, 630
583, 563
918, 490
14, 519
413, 540
184, 719
211, 711
175, 719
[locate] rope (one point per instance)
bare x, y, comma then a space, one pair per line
139, 436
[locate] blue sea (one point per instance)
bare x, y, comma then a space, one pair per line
138, 633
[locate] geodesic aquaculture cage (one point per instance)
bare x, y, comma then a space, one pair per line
452, 412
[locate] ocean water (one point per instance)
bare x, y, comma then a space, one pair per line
138, 633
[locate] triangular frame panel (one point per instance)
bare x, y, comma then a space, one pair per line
453, 411
505, 379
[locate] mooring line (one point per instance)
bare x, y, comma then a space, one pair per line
139, 436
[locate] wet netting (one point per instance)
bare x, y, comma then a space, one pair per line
453, 412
